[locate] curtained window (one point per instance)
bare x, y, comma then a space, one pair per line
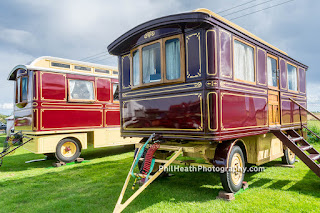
161, 60
272, 72
173, 59
243, 57
292, 77
151, 63
80, 90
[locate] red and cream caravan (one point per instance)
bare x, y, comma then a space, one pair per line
206, 85
64, 105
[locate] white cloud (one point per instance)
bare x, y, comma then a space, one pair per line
17, 37
6, 106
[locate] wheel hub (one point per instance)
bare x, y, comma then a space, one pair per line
236, 168
68, 149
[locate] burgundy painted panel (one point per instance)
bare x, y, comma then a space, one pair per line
73, 118
261, 67
113, 118
211, 52
213, 111
240, 110
286, 109
179, 112
302, 80
125, 72
53, 86
103, 89
225, 54
193, 55
80, 77
283, 74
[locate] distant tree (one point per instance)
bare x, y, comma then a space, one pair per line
3, 118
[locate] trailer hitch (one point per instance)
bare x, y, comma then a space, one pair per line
10, 142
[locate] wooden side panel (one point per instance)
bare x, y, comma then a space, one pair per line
261, 67
125, 74
240, 111
112, 118
211, 52
225, 54
283, 74
71, 118
193, 53
103, 89
53, 86
212, 100
302, 80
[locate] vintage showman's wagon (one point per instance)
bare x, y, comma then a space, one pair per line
208, 88
64, 105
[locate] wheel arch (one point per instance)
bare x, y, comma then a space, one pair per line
222, 152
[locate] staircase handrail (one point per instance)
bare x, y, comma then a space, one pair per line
302, 107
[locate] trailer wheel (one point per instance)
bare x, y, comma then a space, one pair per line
68, 150
232, 179
289, 157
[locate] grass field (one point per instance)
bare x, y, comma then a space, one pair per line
94, 186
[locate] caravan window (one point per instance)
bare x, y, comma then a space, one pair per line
115, 89
161, 62
243, 60
81, 91
151, 63
292, 77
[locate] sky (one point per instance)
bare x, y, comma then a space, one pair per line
77, 29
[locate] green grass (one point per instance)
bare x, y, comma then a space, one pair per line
94, 186
314, 126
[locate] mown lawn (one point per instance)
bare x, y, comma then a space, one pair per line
94, 186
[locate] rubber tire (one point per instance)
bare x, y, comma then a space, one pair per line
286, 159
225, 177
62, 158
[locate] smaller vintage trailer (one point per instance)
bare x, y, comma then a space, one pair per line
64, 105
208, 88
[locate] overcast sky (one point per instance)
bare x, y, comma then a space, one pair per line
76, 29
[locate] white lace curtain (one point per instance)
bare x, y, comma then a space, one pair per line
136, 68
81, 90
243, 61
151, 65
173, 59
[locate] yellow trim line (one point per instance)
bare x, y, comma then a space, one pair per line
204, 10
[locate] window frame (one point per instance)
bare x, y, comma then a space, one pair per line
82, 100
18, 89
278, 82
254, 61
117, 101
295, 91
163, 79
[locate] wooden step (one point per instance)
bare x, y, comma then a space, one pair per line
287, 128
296, 139
305, 148
314, 157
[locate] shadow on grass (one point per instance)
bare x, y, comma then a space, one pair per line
16, 162
96, 187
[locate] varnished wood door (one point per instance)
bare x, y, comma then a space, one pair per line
273, 108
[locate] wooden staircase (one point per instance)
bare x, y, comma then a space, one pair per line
298, 145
